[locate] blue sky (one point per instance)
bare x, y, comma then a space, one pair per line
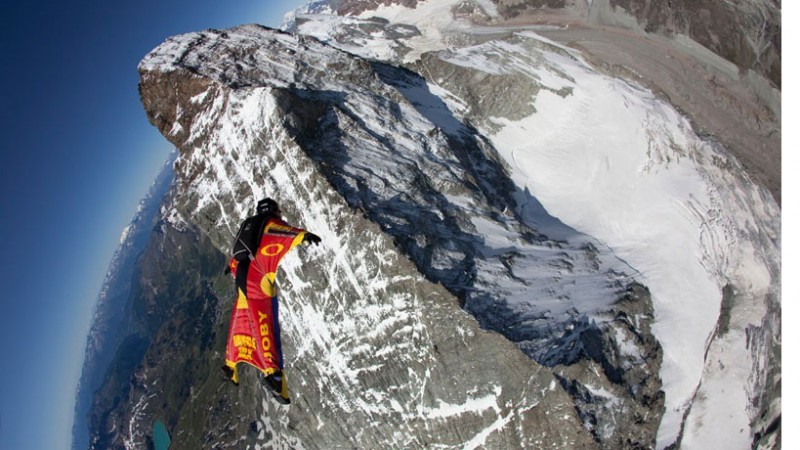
77, 156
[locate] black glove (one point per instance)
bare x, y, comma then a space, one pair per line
227, 270
312, 238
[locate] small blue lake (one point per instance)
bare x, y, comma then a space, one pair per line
160, 436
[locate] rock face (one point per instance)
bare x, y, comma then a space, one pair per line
630, 374
750, 38
744, 32
377, 354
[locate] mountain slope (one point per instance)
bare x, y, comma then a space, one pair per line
171, 321
618, 163
374, 350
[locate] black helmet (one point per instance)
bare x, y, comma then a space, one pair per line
268, 206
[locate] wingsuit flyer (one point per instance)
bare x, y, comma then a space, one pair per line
254, 333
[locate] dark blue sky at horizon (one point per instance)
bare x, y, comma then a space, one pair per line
77, 156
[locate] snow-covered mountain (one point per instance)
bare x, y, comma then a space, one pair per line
520, 250
618, 163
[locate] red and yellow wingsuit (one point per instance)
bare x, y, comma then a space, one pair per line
254, 334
